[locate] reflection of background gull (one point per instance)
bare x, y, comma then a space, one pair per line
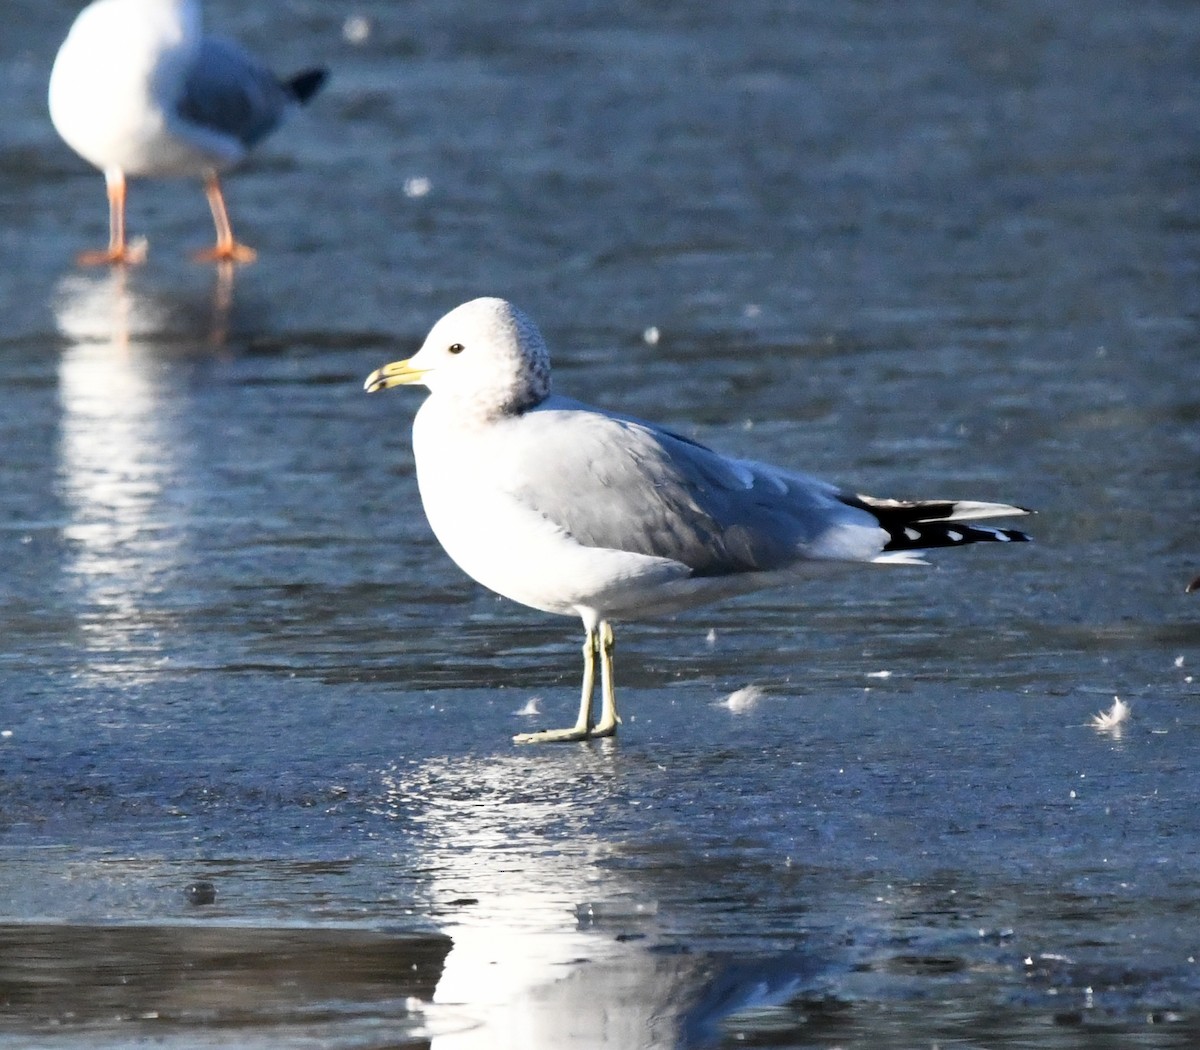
118, 456
123, 310
514, 877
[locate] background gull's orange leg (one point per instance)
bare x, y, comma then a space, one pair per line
226, 249
118, 251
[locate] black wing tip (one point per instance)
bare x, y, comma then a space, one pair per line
915, 525
1193, 586
304, 85
933, 534
1016, 535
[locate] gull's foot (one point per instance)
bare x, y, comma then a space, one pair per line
238, 253
124, 255
607, 727
557, 736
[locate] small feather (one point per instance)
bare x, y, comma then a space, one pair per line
1113, 717
743, 699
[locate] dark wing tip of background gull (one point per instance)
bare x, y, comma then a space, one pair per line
304, 85
230, 91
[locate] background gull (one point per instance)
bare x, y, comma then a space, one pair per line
578, 511
139, 89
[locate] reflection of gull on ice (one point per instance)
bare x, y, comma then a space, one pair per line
119, 309
100, 309
120, 451
739, 987
549, 947
508, 869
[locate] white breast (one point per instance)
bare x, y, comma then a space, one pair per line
502, 543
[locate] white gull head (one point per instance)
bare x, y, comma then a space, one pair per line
487, 357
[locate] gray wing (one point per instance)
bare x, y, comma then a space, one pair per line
618, 483
229, 91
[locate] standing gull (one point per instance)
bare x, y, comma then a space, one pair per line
139, 89
575, 510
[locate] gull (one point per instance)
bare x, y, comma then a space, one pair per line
579, 511
139, 89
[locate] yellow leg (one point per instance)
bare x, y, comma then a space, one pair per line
226, 249
118, 251
609, 719
582, 729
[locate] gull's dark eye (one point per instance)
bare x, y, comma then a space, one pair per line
456, 348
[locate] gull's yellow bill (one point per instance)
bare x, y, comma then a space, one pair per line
398, 373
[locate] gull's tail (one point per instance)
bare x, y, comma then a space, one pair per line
304, 85
920, 525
